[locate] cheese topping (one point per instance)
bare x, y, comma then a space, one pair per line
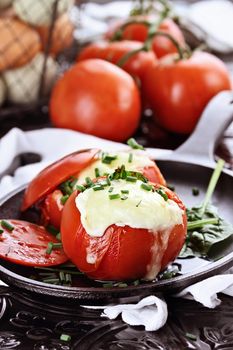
135, 207
136, 161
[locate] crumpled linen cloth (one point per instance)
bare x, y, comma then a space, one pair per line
52, 144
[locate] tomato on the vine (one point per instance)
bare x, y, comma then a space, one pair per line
98, 98
139, 32
115, 51
179, 89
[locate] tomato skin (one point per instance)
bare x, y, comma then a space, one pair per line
53, 175
122, 252
153, 174
139, 32
27, 244
179, 91
114, 51
51, 209
163, 46
98, 98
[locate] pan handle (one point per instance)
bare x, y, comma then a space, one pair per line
216, 117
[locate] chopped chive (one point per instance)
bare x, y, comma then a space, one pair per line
65, 337
68, 278
1, 231
107, 158
107, 285
58, 236
200, 223
108, 181
195, 191
146, 187
130, 159
5, 224
51, 280
212, 184
124, 197
64, 198
80, 188
131, 179
49, 248
136, 282
122, 285
191, 336
57, 245
114, 196
133, 144
125, 191
161, 192
137, 205
62, 276
52, 229
110, 189
71, 272
97, 172
97, 188
89, 181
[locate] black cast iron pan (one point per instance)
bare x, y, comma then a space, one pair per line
191, 165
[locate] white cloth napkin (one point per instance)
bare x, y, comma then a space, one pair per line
51, 144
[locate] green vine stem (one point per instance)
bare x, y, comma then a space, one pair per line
152, 32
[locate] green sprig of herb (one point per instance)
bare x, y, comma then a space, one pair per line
5, 224
134, 144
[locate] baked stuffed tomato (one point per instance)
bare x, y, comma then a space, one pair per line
123, 227
50, 189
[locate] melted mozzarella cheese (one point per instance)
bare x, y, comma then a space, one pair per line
141, 209
139, 161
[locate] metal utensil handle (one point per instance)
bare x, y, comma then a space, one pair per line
216, 117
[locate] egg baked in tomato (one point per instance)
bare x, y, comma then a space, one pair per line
123, 227
50, 189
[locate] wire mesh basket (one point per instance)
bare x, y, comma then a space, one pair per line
35, 40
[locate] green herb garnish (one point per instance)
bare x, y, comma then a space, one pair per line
107, 158
80, 188
98, 187
137, 205
130, 159
65, 337
49, 248
97, 172
146, 187
89, 182
162, 193
206, 229
125, 191
133, 144
191, 336
124, 197
5, 224
131, 178
110, 189
64, 199
52, 229
1, 231
114, 196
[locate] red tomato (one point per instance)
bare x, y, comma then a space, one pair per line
163, 46
27, 243
98, 98
122, 252
139, 32
153, 174
52, 176
114, 51
178, 91
51, 208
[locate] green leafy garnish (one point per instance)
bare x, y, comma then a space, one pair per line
5, 224
133, 144
206, 229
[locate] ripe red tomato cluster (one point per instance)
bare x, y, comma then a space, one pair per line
97, 97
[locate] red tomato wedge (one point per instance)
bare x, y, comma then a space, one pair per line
52, 176
27, 243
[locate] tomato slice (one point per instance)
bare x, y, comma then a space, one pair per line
27, 243
52, 176
153, 174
